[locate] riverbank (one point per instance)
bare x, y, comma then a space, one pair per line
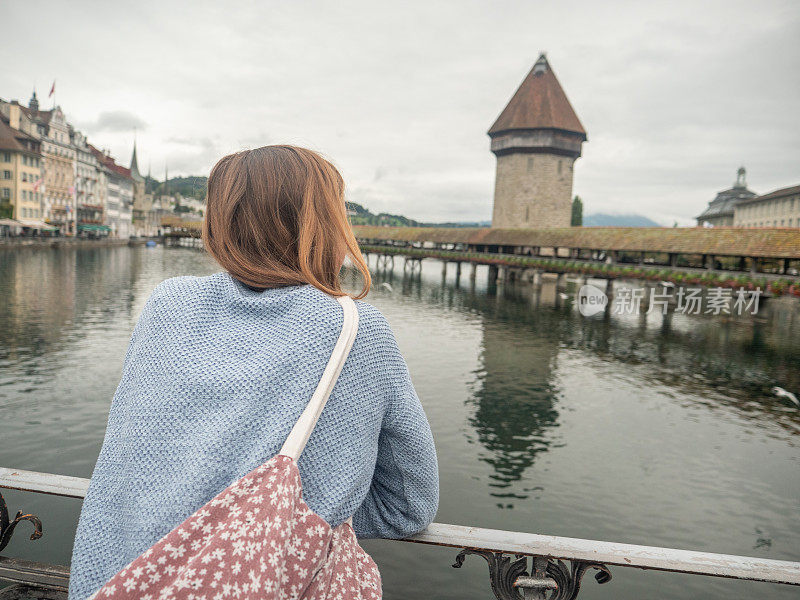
9, 243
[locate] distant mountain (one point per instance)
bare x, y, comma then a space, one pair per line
193, 186
362, 216
607, 220
460, 224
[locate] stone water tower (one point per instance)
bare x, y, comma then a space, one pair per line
536, 139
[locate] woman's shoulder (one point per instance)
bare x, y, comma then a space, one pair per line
372, 324
375, 333
179, 286
194, 290
371, 319
304, 304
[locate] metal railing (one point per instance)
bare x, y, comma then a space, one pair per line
506, 552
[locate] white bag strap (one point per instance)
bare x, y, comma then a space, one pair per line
298, 437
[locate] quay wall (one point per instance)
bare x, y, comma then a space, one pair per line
21, 242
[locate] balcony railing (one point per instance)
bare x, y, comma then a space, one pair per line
522, 566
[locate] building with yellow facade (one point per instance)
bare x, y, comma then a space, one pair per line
20, 169
58, 171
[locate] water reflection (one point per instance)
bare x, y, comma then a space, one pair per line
526, 397
48, 294
719, 362
514, 399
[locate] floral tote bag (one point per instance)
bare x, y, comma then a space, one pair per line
258, 539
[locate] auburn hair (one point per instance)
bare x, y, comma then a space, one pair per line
276, 216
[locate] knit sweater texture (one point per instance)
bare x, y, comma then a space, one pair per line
214, 378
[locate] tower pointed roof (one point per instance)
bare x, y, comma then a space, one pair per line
134, 165
134, 168
539, 103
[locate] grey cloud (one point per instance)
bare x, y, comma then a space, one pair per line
117, 121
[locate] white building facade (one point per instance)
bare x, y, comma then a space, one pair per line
780, 208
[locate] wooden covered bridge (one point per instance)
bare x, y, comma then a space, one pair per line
763, 253
681, 254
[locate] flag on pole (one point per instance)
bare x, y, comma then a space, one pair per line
52, 89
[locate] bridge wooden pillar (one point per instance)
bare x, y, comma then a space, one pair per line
503, 275
609, 290
384, 261
493, 271
473, 271
412, 266
645, 304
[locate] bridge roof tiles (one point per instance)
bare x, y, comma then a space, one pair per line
720, 241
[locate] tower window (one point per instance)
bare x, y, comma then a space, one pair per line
559, 166
527, 210
530, 163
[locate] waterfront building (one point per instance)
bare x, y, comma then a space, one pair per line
125, 184
119, 191
88, 200
58, 169
536, 140
195, 207
20, 169
101, 189
780, 208
160, 207
720, 210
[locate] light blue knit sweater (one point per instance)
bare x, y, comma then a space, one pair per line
214, 379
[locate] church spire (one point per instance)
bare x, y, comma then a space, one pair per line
134, 164
33, 103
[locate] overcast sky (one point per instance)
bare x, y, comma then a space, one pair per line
674, 96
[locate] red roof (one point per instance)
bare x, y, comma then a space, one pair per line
44, 115
10, 138
109, 162
539, 103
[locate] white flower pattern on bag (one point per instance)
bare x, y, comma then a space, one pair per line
257, 539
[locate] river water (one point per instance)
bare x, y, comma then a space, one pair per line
649, 431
